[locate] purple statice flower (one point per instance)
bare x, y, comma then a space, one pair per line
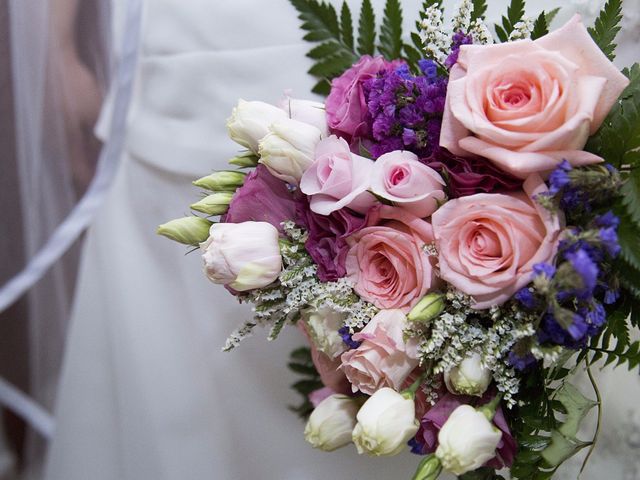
429, 68
588, 271
417, 446
596, 316
347, 338
607, 220
521, 363
611, 295
545, 269
459, 39
553, 332
559, 177
609, 238
327, 240
578, 328
405, 110
526, 297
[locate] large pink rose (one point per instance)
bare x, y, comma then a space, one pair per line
337, 178
527, 105
383, 359
387, 261
346, 105
488, 243
402, 179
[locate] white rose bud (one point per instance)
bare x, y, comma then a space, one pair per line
221, 181
289, 149
467, 440
323, 326
330, 425
242, 255
468, 378
386, 422
307, 111
250, 121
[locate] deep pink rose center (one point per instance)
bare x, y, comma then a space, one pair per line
484, 243
398, 175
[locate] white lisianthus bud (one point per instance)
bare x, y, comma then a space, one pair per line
467, 440
214, 204
323, 326
187, 230
246, 159
221, 181
307, 111
330, 425
288, 150
250, 121
468, 378
430, 307
386, 422
242, 255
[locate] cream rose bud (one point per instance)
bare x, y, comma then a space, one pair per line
400, 178
467, 440
287, 151
250, 121
386, 422
243, 256
307, 111
331, 423
468, 378
323, 326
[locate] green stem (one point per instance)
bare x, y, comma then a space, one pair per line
415, 385
489, 409
598, 423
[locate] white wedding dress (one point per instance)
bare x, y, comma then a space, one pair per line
146, 393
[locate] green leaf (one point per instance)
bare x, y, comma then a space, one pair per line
619, 134
631, 196
551, 15
367, 29
515, 14
412, 55
540, 27
302, 354
323, 50
323, 87
479, 10
629, 240
607, 26
302, 369
564, 443
391, 30
332, 66
346, 25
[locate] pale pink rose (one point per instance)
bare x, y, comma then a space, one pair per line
387, 261
488, 243
527, 105
402, 179
383, 359
337, 178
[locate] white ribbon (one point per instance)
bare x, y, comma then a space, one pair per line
82, 214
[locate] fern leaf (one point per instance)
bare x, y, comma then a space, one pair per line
346, 25
540, 27
331, 66
607, 26
629, 240
515, 14
479, 10
631, 196
391, 30
551, 15
412, 55
323, 50
323, 87
367, 28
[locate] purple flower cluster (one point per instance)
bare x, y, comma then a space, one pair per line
406, 110
459, 39
347, 338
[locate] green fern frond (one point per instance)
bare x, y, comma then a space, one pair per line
607, 26
391, 30
479, 10
367, 29
515, 14
346, 25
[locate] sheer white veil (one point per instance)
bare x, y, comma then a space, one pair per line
49, 183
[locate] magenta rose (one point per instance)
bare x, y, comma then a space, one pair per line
387, 261
337, 179
262, 198
528, 105
437, 416
327, 239
471, 175
488, 243
346, 105
383, 359
400, 178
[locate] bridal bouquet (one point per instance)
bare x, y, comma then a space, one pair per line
455, 231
